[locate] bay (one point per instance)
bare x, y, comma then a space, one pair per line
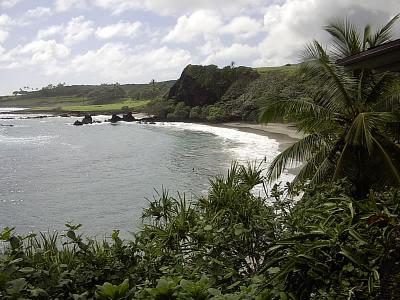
100, 175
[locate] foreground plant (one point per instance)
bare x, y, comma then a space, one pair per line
351, 121
229, 244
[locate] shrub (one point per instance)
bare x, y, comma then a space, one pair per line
181, 111
216, 114
195, 113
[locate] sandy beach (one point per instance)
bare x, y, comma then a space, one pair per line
284, 134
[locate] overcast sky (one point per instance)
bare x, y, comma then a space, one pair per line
134, 41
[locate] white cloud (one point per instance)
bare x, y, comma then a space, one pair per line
78, 30
41, 51
119, 29
5, 20
65, 5
294, 23
239, 53
243, 27
38, 53
3, 35
9, 3
32, 14
38, 12
200, 23
50, 31
118, 62
179, 7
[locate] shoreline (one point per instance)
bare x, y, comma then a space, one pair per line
285, 134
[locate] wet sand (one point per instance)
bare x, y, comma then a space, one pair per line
285, 134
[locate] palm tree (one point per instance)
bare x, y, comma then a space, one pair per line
351, 123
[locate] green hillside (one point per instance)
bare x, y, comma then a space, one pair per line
202, 93
95, 98
207, 93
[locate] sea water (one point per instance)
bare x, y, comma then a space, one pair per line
103, 175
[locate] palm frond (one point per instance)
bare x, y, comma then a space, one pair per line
360, 133
278, 109
323, 173
388, 101
302, 150
384, 34
381, 86
308, 171
367, 37
388, 162
346, 39
329, 76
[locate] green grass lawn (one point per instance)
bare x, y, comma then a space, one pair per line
43, 101
291, 69
131, 104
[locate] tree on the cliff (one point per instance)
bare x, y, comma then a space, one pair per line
352, 120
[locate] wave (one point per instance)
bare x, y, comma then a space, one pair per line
37, 140
246, 147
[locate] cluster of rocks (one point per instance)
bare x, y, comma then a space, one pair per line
114, 119
87, 119
127, 118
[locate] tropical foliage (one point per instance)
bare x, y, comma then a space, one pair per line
351, 121
229, 244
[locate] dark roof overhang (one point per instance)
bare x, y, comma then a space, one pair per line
385, 57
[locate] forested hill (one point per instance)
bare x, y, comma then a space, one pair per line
86, 97
208, 93
202, 93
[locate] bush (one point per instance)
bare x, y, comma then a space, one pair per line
181, 111
195, 113
229, 244
216, 114
160, 108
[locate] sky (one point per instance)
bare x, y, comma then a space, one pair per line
135, 41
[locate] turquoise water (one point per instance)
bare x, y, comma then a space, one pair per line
100, 175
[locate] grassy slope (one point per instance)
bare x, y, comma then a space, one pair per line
131, 104
290, 69
74, 103
40, 102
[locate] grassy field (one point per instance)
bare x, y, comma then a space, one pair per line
45, 101
133, 105
291, 69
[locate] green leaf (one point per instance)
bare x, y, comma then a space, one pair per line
27, 270
208, 228
16, 286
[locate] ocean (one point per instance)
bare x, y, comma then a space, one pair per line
103, 175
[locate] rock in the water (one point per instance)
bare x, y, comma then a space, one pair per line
87, 119
64, 115
115, 119
78, 123
128, 117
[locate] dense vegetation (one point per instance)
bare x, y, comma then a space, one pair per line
229, 244
333, 234
207, 93
351, 122
104, 97
202, 93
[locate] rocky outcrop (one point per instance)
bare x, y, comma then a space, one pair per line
205, 85
115, 118
128, 117
87, 119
